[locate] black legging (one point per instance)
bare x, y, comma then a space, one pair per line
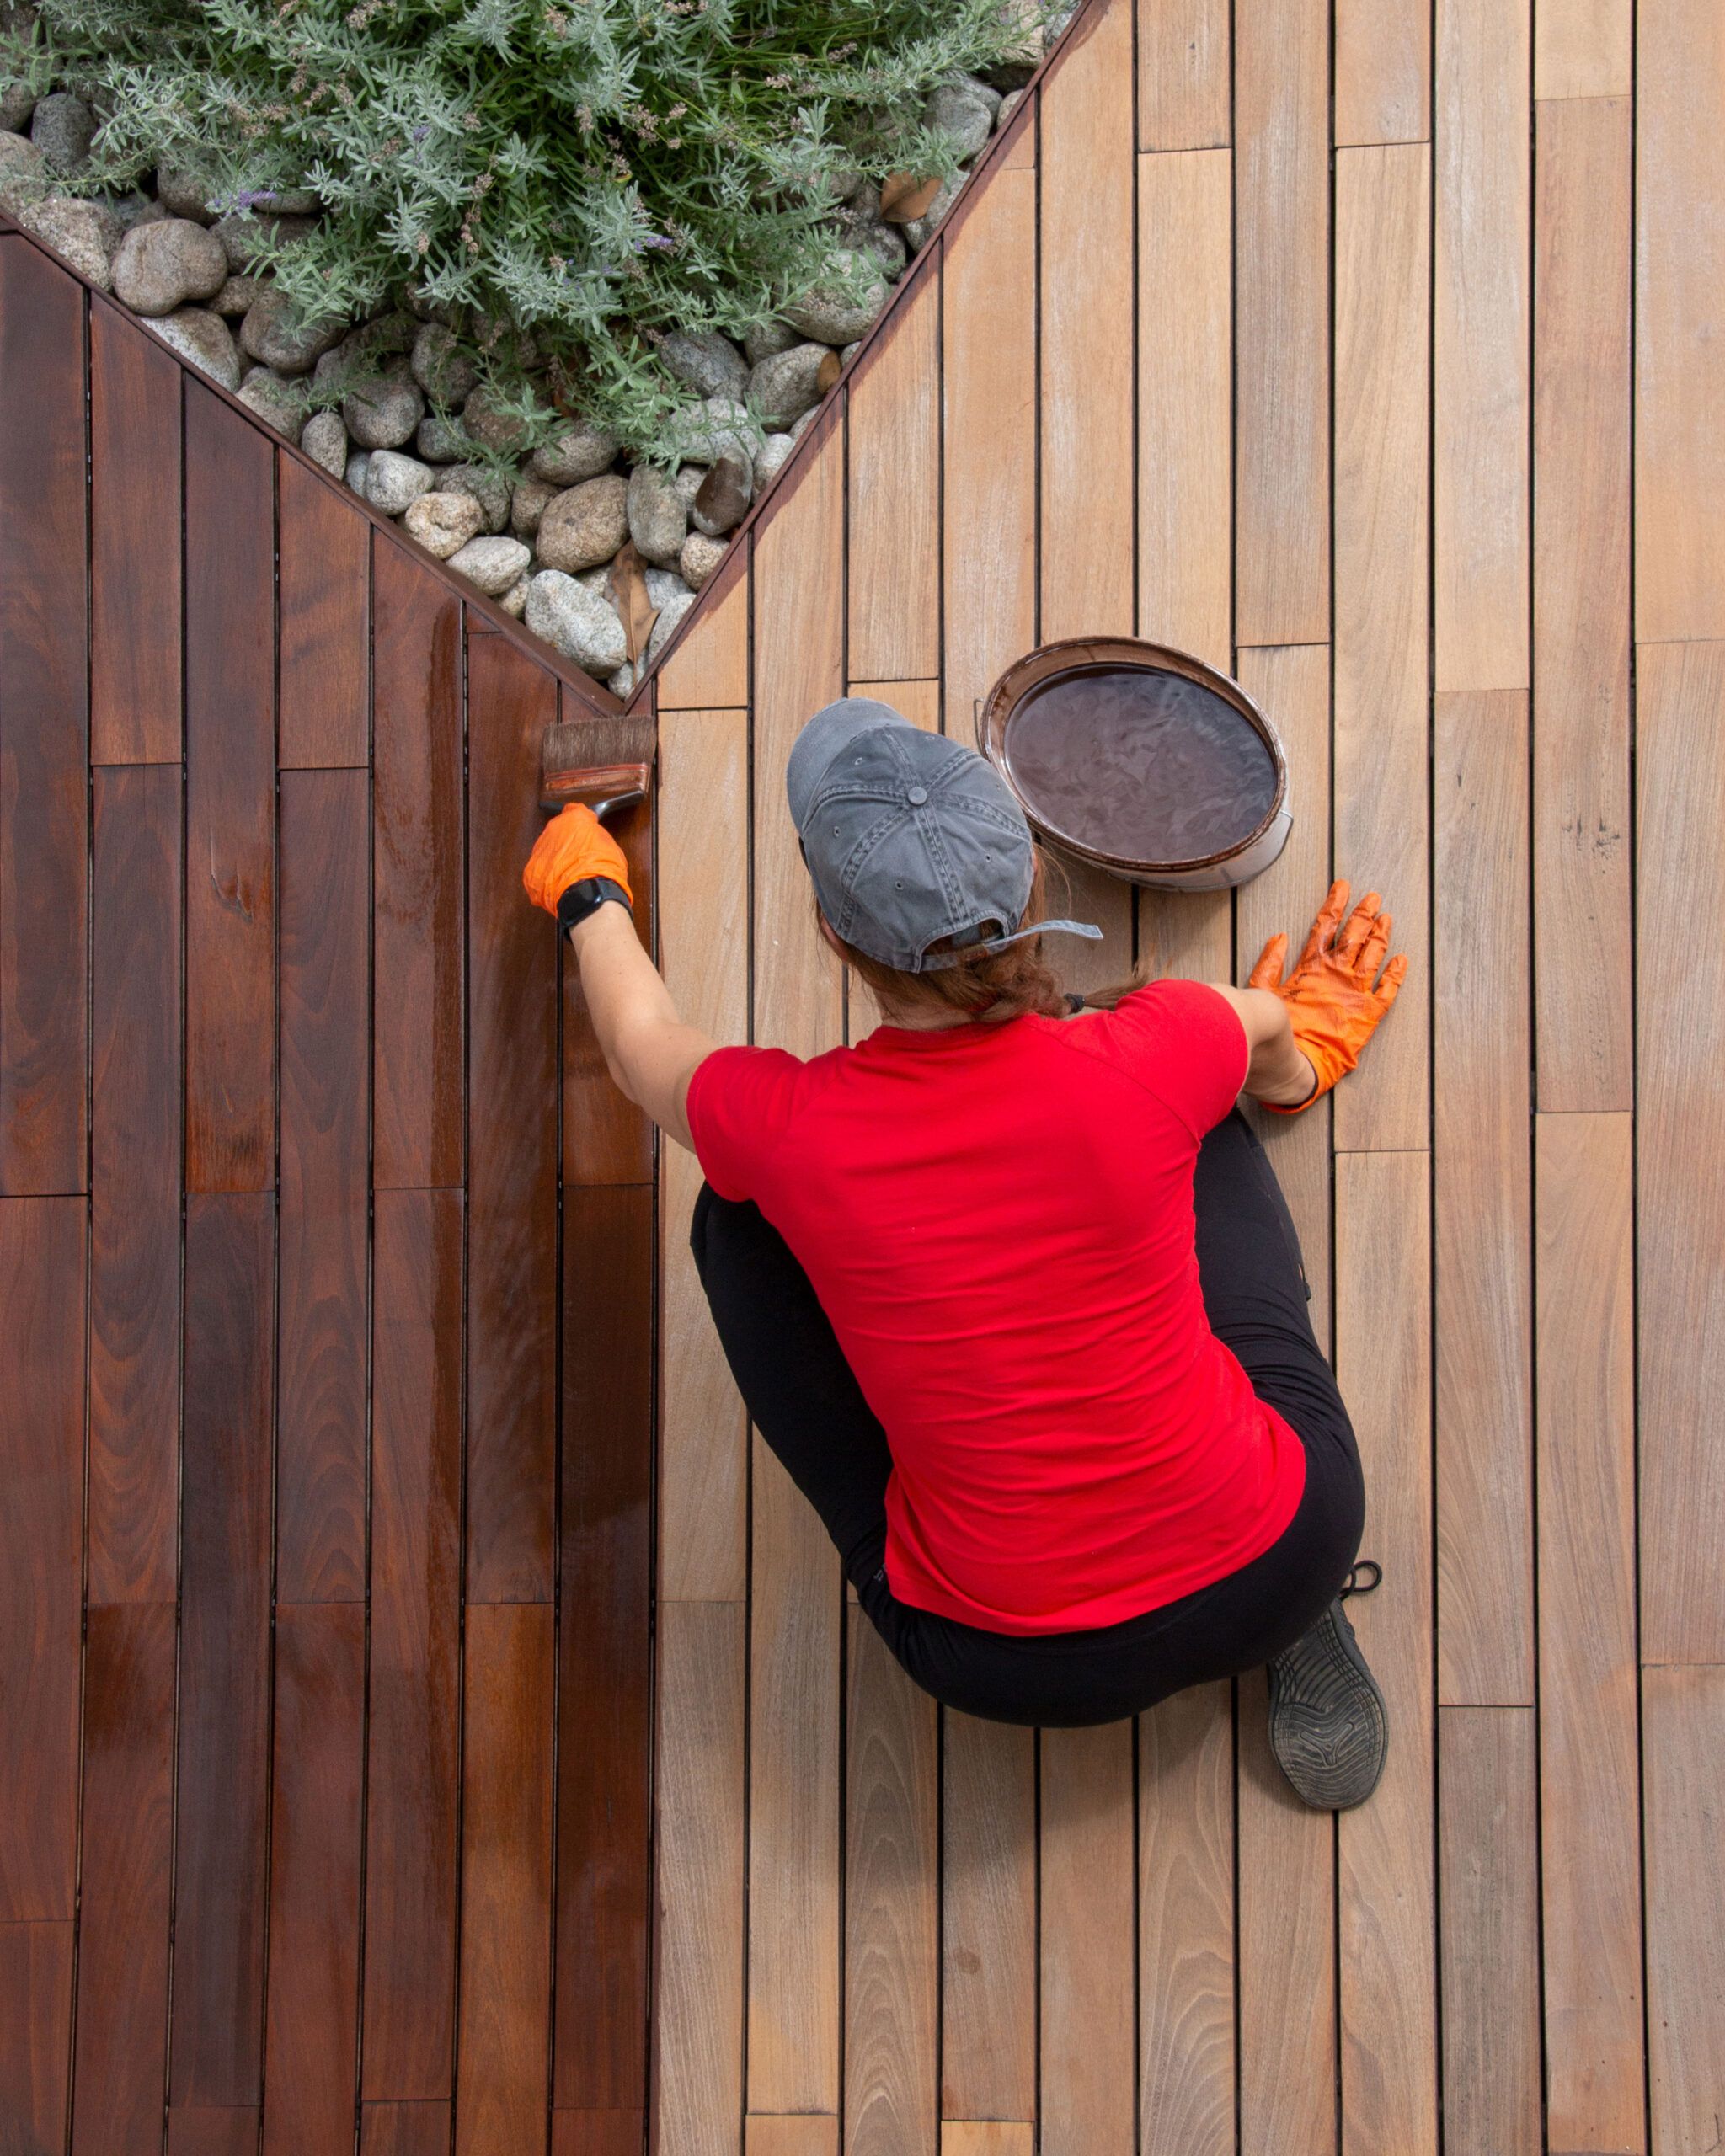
803, 1400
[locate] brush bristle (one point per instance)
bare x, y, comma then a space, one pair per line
583, 744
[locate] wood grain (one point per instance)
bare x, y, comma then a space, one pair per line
1584, 49
893, 501
35, 2013
1086, 2034
1281, 219
989, 390
703, 899
222, 1779
1590, 1871
230, 798
310, 2056
1386, 1848
512, 1165
987, 2137
412, 1725
892, 1906
605, 1677
1183, 68
127, 1841
1480, 307
1680, 365
805, 2134
1488, 1882
135, 572
917, 701
135, 1124
43, 739
597, 2133
709, 668
1289, 2093
1483, 1201
213, 2130
325, 999
798, 667
505, 1953
1582, 263
41, 1533
1085, 311
1682, 1730
325, 656
988, 1926
1186, 1924
1382, 72
699, 1948
417, 875
421, 2129
1681, 1188
1380, 773
1185, 403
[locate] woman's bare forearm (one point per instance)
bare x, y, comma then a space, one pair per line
1276, 1070
649, 1051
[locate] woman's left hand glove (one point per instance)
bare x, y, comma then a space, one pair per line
1334, 996
574, 848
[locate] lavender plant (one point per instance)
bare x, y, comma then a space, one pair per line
596, 173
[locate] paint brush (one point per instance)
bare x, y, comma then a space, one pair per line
604, 762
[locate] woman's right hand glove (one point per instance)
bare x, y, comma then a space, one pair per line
574, 850
1334, 996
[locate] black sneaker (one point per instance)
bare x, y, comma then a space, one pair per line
1329, 1729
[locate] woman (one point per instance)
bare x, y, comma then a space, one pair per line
1009, 1287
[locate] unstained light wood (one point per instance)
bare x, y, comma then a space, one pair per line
1281, 283
325, 1005
1583, 266
988, 1924
1590, 1843
892, 1905
1386, 1882
1683, 1741
1382, 72
1185, 403
1183, 74
1490, 1931
1381, 750
892, 505
987, 2137
134, 1183
709, 668
1186, 1924
917, 701
809, 2133
1583, 49
135, 568
1087, 2040
1483, 1201
1482, 305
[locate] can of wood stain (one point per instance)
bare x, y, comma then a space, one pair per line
1141, 760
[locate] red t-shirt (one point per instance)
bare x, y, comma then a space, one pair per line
998, 1221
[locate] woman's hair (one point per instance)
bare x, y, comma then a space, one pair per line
991, 986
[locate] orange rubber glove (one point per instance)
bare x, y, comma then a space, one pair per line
1334, 996
574, 846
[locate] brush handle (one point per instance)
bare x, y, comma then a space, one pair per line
603, 786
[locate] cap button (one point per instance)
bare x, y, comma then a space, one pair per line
917, 796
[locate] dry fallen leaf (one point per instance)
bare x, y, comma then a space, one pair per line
903, 196
828, 372
629, 595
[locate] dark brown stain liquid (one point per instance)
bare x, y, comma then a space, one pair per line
1139, 762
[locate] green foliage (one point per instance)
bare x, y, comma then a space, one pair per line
597, 172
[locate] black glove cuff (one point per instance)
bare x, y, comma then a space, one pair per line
587, 896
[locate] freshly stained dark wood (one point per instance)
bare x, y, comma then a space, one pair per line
216, 2039
136, 1127
325, 612
413, 1728
230, 839
44, 664
213, 2130
511, 1139
417, 875
35, 2006
421, 2129
325, 1005
605, 1688
127, 1846
135, 564
42, 1524
311, 2052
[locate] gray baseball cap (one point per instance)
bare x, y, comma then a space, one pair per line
911, 838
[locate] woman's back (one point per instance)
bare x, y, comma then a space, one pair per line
998, 1222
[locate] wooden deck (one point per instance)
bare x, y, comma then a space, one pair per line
373, 1747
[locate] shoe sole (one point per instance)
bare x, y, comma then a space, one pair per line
1328, 1728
